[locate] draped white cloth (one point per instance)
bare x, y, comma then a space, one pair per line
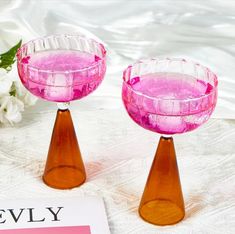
117, 152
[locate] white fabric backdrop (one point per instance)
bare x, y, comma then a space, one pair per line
117, 152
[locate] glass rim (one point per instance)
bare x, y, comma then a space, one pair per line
34, 68
144, 61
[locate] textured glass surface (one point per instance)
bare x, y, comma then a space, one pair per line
203, 31
169, 96
200, 30
61, 68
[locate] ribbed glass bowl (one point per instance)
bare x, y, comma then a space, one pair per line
61, 68
169, 96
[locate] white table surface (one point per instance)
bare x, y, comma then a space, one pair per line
116, 151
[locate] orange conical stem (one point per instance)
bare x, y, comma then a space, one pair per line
64, 168
162, 201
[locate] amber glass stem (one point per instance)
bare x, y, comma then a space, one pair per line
162, 202
64, 167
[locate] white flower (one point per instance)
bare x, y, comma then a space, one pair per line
23, 94
29, 99
13, 97
5, 82
10, 109
20, 91
13, 73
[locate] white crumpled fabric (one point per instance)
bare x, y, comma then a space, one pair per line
117, 152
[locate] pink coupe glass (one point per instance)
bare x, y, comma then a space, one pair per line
62, 68
167, 96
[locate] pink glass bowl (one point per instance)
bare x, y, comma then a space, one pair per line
61, 68
169, 96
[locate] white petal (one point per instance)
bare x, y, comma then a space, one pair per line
3, 72
29, 99
11, 109
5, 86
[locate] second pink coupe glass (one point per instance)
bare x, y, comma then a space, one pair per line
167, 96
62, 68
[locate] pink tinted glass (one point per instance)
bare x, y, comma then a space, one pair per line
61, 68
169, 96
